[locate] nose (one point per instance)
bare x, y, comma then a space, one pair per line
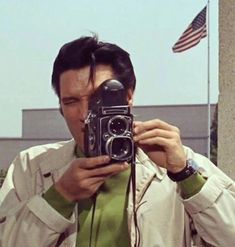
83, 110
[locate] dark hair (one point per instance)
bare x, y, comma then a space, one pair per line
89, 51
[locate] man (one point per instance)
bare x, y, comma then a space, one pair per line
54, 196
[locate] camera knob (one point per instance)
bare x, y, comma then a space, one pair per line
106, 136
128, 134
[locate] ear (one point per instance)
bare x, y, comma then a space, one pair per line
130, 95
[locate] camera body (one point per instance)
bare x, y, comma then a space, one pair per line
108, 126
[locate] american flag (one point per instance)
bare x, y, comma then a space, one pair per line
193, 34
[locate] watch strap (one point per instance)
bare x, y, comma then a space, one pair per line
190, 169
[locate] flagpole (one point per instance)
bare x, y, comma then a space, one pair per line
208, 82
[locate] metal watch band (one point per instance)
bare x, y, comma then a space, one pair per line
190, 169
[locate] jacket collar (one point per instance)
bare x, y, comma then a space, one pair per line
58, 157
146, 171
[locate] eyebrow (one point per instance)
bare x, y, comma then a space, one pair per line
68, 98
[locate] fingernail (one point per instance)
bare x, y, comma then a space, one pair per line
136, 129
126, 165
106, 158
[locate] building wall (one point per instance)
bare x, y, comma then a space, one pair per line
226, 123
9, 148
42, 126
44, 123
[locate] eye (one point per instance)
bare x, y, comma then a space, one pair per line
70, 101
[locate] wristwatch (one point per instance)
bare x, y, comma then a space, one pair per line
190, 169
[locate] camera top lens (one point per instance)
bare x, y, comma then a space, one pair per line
118, 125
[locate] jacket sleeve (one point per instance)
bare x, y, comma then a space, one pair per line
26, 219
213, 208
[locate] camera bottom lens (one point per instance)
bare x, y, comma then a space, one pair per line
120, 148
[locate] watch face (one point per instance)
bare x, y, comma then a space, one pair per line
193, 164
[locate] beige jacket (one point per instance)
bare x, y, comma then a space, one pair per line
27, 220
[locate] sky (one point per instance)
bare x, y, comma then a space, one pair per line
32, 32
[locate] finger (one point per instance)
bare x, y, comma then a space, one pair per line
89, 163
95, 187
109, 169
95, 180
136, 123
161, 141
154, 133
114, 173
151, 124
91, 187
98, 180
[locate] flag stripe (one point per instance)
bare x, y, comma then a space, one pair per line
193, 34
194, 37
190, 34
188, 45
187, 31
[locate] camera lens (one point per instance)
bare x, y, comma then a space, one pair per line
117, 125
120, 148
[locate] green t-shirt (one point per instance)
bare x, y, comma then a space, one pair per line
102, 220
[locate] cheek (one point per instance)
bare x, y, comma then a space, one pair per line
74, 123
71, 114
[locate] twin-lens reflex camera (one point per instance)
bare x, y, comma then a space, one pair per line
108, 126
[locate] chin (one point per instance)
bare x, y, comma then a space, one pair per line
80, 144
78, 136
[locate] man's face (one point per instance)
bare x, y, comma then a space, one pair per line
75, 90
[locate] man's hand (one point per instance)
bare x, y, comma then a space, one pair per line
85, 175
161, 142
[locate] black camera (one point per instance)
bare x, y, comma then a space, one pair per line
108, 126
